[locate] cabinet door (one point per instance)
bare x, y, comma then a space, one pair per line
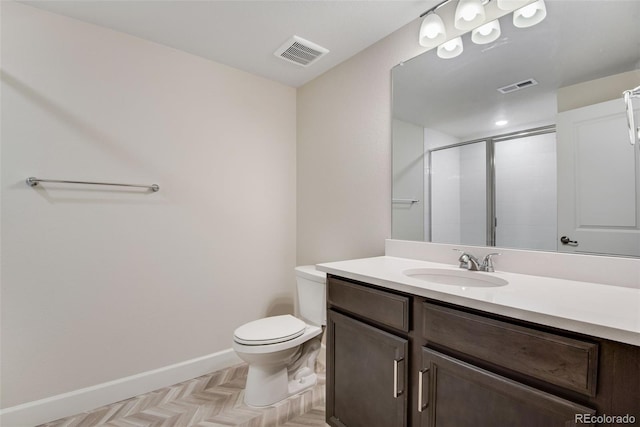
457, 394
366, 375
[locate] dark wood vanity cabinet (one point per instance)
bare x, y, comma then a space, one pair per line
457, 394
401, 360
367, 357
369, 375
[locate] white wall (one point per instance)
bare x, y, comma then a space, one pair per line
408, 181
435, 139
97, 283
344, 153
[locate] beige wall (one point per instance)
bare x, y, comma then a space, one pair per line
596, 91
408, 166
99, 284
344, 153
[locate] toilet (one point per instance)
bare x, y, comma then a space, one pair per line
281, 350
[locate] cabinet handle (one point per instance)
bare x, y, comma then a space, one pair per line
396, 392
421, 406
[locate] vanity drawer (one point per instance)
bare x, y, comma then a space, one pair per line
382, 307
555, 359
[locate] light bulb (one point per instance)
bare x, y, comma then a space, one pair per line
529, 11
450, 46
431, 31
468, 14
485, 30
486, 33
450, 49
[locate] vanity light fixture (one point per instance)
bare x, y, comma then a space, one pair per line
486, 33
450, 49
530, 15
511, 4
469, 14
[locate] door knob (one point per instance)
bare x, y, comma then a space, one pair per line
566, 241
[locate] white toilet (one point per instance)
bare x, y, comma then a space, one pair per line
281, 350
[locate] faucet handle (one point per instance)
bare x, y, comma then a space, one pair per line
468, 261
487, 262
463, 259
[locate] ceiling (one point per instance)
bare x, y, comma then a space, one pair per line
244, 34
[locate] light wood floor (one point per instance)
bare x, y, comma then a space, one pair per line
213, 400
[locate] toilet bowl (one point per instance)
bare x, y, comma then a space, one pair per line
281, 351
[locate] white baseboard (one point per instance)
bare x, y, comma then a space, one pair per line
77, 401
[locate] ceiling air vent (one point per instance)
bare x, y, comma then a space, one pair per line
300, 51
517, 86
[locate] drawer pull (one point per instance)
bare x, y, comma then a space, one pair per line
396, 392
421, 406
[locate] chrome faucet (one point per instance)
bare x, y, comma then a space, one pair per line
487, 262
471, 263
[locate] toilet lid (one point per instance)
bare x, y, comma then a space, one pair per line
269, 330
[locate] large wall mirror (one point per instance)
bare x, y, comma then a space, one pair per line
524, 143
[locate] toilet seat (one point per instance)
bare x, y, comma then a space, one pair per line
270, 330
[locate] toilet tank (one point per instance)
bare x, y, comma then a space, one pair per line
312, 302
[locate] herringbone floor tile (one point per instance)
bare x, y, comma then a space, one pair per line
214, 400
312, 418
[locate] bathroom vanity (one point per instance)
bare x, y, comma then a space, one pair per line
405, 350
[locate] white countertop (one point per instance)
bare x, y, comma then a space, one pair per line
594, 309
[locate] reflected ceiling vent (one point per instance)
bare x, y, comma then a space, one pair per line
517, 86
300, 51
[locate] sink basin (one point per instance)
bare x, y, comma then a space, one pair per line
462, 278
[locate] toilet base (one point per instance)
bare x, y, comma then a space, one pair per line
280, 370
301, 385
268, 386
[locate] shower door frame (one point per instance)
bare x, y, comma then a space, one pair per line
490, 172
